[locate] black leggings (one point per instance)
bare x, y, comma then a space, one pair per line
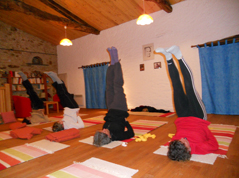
115, 97
66, 99
36, 102
188, 104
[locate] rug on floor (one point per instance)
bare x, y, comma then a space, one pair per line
19, 154
4, 135
93, 167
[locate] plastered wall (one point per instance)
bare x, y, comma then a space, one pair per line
191, 22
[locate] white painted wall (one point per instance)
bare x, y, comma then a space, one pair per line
191, 22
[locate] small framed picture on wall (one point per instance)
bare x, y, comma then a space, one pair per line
141, 67
148, 51
157, 65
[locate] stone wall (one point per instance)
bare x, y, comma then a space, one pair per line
17, 50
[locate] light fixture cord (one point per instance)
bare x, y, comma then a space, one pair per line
144, 6
65, 31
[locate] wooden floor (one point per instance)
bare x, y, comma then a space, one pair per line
137, 155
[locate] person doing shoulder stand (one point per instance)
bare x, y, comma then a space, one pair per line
71, 108
37, 114
192, 135
115, 120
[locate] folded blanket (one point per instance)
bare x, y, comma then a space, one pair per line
149, 109
63, 135
17, 125
38, 117
25, 133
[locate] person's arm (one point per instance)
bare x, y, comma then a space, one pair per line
208, 146
129, 133
69, 123
80, 123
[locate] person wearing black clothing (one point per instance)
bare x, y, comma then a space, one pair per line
37, 105
71, 108
116, 127
186, 103
36, 102
66, 99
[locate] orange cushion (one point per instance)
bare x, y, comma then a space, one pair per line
63, 135
25, 133
17, 125
1, 120
8, 117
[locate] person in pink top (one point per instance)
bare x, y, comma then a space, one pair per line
192, 135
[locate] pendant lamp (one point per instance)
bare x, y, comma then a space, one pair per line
144, 19
65, 41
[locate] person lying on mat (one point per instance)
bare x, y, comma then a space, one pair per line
116, 127
192, 135
71, 108
37, 114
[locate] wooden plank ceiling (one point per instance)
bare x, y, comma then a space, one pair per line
46, 19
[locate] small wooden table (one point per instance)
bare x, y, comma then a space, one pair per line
47, 103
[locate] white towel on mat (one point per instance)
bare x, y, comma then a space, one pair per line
111, 145
110, 168
208, 158
48, 146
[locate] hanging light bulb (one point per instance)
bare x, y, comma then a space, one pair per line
144, 19
65, 41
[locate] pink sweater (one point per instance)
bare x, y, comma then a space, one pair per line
197, 133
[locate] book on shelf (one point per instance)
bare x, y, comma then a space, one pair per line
16, 74
38, 80
14, 88
15, 80
11, 73
20, 88
32, 80
20, 81
41, 87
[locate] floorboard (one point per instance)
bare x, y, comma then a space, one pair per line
137, 155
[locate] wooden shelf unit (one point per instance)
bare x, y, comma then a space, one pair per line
44, 82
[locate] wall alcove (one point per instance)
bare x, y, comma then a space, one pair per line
36, 60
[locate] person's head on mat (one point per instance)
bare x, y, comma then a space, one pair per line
58, 126
69, 113
179, 150
102, 137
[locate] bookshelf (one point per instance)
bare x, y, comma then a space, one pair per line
40, 85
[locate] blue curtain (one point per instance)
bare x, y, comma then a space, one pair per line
95, 85
220, 78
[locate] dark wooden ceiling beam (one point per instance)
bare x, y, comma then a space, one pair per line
19, 6
52, 4
163, 4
